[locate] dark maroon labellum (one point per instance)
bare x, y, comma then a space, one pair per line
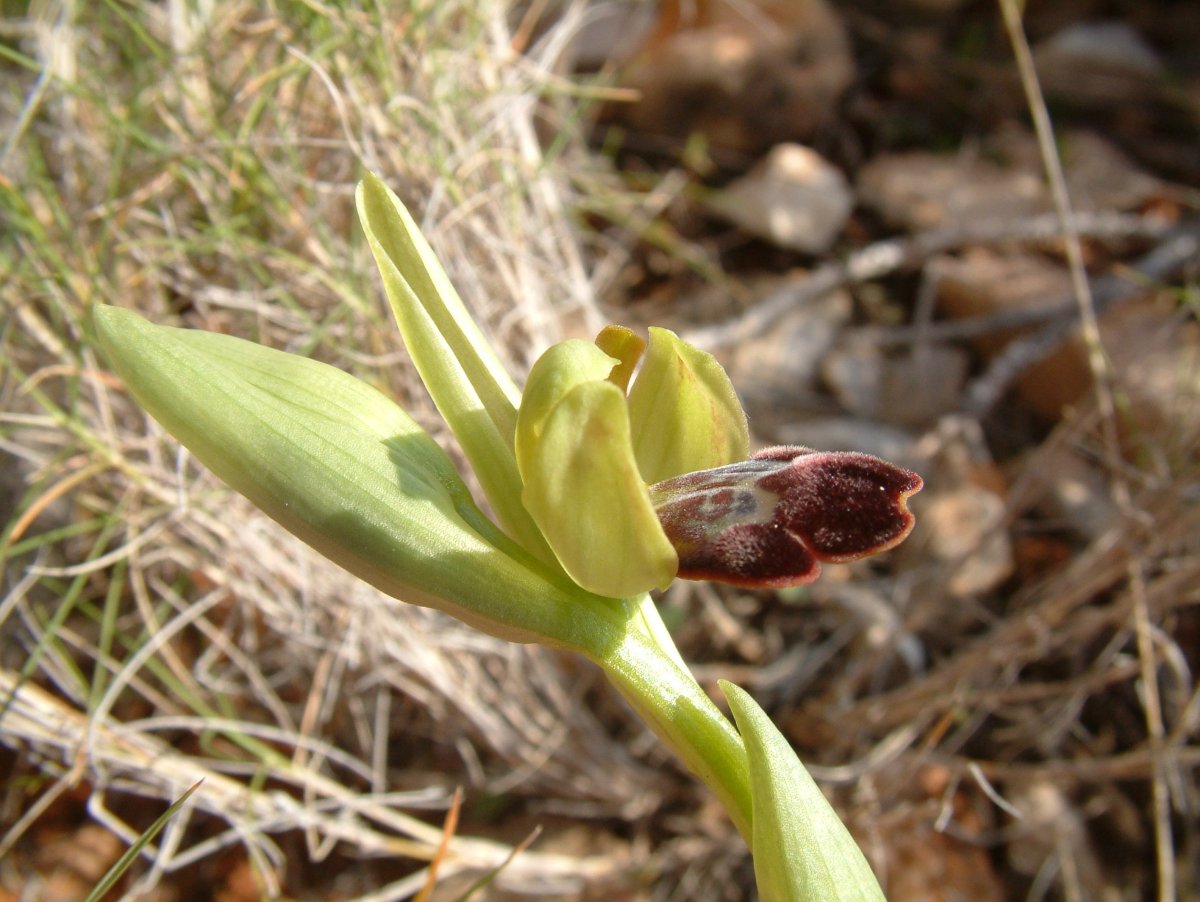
769, 521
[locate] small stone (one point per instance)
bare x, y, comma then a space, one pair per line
838, 433
922, 190
1097, 62
982, 283
1074, 489
793, 198
776, 373
744, 81
1154, 352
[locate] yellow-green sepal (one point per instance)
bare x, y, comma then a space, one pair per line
342, 467
582, 484
684, 412
801, 848
467, 381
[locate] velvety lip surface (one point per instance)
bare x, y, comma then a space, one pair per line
770, 521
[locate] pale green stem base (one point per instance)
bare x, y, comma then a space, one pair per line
648, 671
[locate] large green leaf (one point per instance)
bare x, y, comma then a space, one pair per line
341, 466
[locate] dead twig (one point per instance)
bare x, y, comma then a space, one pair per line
1102, 380
885, 257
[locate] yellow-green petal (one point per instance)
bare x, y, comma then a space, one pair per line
582, 484
560, 368
684, 412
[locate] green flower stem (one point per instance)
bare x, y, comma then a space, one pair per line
652, 624
667, 697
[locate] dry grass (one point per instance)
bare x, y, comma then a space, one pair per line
199, 167
197, 162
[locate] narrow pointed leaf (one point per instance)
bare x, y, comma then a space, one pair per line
582, 484
684, 412
801, 848
339, 465
466, 380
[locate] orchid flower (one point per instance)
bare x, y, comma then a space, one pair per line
604, 485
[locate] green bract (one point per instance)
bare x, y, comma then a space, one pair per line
467, 381
801, 849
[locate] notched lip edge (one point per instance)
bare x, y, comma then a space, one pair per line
909, 519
